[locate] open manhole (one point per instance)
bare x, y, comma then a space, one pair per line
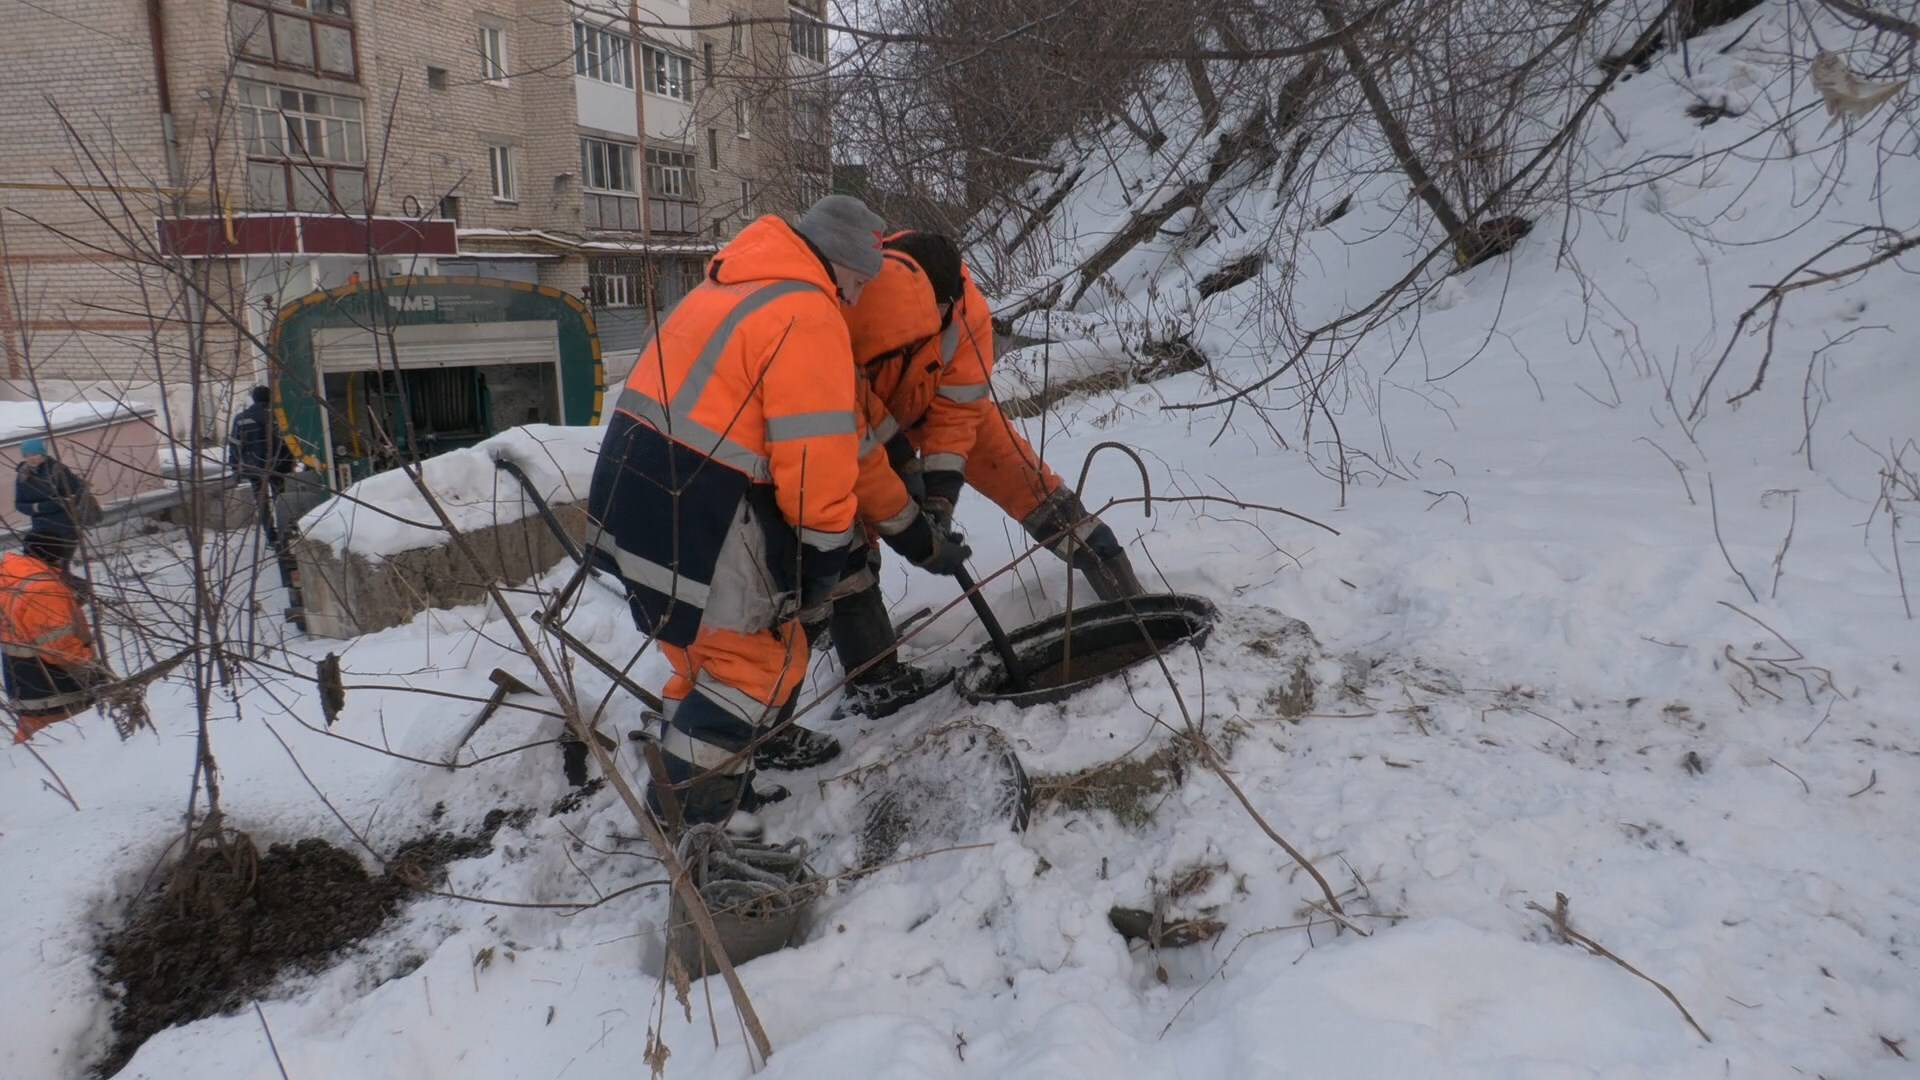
1105, 638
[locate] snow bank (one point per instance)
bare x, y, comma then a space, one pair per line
386, 514
27, 419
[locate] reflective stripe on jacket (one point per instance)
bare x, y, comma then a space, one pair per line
727, 473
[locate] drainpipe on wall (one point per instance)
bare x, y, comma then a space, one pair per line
647, 276
156, 31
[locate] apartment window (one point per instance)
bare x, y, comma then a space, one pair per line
305, 150
742, 117
500, 174
811, 188
738, 40
713, 148
670, 174
493, 54
706, 52
808, 35
611, 285
670, 191
620, 281
450, 208
746, 196
810, 119
300, 35
602, 54
606, 173
668, 74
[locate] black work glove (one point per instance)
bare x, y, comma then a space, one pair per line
950, 554
935, 550
943, 490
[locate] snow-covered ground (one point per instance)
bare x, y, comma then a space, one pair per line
1531, 677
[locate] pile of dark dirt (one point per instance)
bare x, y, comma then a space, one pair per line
226, 922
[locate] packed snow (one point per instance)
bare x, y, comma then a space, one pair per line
1534, 670
386, 514
27, 419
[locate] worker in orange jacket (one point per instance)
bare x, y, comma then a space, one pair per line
724, 492
46, 647
922, 335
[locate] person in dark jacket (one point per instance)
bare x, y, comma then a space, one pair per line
48, 493
255, 451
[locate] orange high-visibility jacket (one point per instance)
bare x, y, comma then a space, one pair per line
933, 379
43, 635
726, 477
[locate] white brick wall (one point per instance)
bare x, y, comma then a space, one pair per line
76, 311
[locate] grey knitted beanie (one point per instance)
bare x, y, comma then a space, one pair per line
845, 231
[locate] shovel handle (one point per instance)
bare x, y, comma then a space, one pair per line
994, 630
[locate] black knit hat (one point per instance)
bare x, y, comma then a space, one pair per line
937, 256
262, 395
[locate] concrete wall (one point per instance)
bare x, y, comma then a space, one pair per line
346, 597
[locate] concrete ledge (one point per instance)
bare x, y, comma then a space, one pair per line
346, 597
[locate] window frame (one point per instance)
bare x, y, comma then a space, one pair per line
805, 26
608, 147
742, 118
311, 21
811, 187
286, 149
585, 35
493, 68
811, 119
605, 152
660, 168
672, 59
502, 166
673, 279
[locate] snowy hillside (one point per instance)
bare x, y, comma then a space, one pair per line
1565, 641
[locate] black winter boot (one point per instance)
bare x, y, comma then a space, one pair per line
794, 747
790, 746
862, 631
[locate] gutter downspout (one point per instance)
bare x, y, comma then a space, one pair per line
647, 275
156, 32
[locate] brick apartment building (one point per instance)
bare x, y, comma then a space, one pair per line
275, 142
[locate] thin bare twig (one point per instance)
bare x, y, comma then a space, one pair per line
1714, 505
1562, 928
271, 1045
1677, 467
1803, 780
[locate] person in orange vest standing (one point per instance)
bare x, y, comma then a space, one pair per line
724, 492
922, 336
46, 647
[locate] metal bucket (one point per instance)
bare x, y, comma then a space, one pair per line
758, 895
1107, 638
